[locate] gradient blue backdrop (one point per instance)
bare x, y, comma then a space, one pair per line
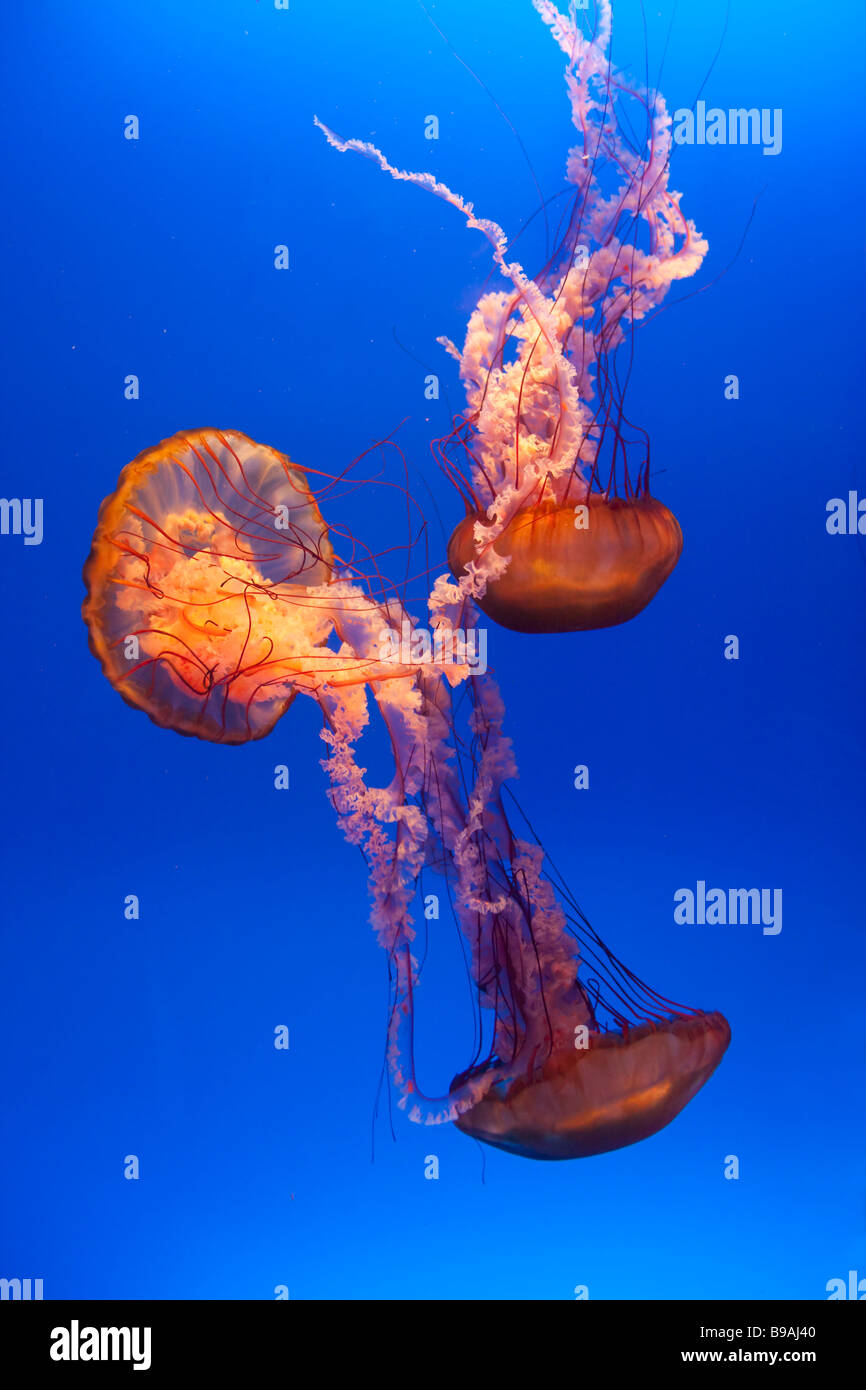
155, 1037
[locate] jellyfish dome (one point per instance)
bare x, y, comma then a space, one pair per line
621, 1088
202, 585
571, 568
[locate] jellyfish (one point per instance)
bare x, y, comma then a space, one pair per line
210, 588
576, 1055
559, 519
216, 594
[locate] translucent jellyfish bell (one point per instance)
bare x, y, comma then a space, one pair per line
622, 1088
574, 568
198, 584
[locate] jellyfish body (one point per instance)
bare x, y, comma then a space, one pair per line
584, 1057
545, 363
621, 1088
210, 588
571, 568
190, 583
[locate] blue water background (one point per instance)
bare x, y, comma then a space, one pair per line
154, 1037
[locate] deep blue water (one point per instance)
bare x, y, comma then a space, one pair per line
154, 1038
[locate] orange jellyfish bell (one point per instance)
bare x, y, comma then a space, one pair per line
201, 584
573, 568
623, 1087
